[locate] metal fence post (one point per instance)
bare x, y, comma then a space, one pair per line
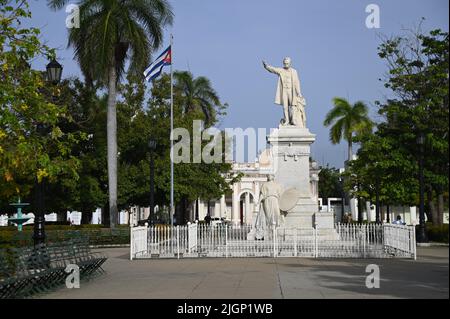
364, 240
147, 239
316, 249
274, 240
131, 243
295, 242
226, 241
414, 245
178, 242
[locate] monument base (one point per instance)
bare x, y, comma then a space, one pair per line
294, 169
302, 215
309, 220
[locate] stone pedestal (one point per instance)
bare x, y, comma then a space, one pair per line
291, 151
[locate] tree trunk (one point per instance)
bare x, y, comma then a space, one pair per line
360, 210
61, 216
432, 207
179, 212
112, 146
184, 210
105, 215
86, 217
440, 208
196, 210
350, 151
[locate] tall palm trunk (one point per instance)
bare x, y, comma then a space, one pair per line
112, 146
350, 151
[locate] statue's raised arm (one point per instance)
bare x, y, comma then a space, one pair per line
270, 68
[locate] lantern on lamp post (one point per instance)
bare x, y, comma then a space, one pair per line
54, 72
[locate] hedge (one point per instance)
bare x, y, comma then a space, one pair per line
97, 235
437, 233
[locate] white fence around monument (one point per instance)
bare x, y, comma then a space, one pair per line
344, 241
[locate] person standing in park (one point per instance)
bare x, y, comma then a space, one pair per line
398, 221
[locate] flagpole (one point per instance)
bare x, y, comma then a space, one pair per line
172, 210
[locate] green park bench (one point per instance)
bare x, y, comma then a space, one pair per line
31, 270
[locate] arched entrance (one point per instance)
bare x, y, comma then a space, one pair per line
246, 207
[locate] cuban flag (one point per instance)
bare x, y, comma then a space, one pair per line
155, 69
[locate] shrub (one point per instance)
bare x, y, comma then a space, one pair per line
437, 233
98, 236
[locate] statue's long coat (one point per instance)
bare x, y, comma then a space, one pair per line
281, 72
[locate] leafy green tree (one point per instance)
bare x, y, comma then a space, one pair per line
33, 145
192, 180
384, 167
88, 112
418, 78
347, 120
329, 185
139, 124
112, 33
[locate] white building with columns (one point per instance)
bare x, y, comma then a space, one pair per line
239, 205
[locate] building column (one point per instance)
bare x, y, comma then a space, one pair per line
368, 211
354, 208
247, 207
217, 208
201, 210
127, 217
256, 198
413, 213
235, 207
223, 206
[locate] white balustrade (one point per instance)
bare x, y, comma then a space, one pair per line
344, 241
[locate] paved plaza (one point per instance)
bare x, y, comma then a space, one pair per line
255, 278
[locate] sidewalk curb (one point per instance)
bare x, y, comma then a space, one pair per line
432, 245
110, 246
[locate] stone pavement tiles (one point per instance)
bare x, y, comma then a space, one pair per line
265, 278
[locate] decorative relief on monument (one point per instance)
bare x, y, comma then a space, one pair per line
294, 155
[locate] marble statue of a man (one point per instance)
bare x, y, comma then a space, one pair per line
288, 94
270, 194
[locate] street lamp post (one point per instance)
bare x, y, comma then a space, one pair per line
53, 76
421, 236
152, 147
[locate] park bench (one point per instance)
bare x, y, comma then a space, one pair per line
8, 284
30, 270
89, 262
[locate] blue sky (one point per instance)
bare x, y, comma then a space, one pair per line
225, 40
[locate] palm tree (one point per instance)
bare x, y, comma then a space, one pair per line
112, 33
347, 120
198, 94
